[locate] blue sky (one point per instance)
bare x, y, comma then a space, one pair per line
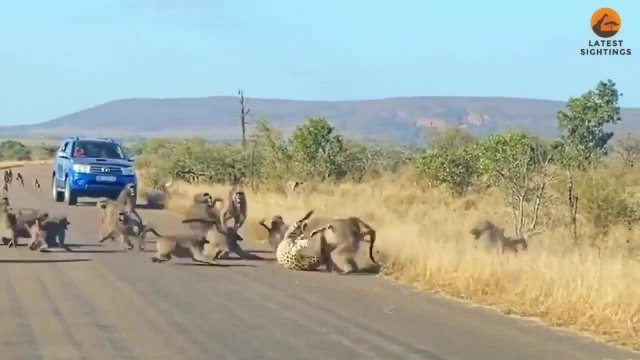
58, 57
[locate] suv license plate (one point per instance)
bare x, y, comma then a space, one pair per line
106, 178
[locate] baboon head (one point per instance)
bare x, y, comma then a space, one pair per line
277, 223
237, 197
204, 198
123, 218
64, 222
131, 190
482, 226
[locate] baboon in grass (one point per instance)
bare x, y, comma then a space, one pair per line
166, 245
236, 208
490, 236
292, 185
338, 243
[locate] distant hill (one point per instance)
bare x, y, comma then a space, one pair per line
399, 120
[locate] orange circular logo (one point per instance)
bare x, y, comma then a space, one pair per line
605, 22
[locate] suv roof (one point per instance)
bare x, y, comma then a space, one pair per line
76, 138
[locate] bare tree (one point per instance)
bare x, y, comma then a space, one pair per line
628, 149
244, 111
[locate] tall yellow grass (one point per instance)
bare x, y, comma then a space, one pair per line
424, 241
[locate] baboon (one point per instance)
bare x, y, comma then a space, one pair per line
276, 230
224, 241
127, 200
5, 188
13, 225
121, 231
166, 245
490, 236
4, 203
36, 184
204, 208
20, 179
51, 230
236, 208
339, 242
8, 224
292, 185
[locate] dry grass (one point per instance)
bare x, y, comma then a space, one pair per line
19, 163
424, 240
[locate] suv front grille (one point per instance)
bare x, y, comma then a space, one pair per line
105, 169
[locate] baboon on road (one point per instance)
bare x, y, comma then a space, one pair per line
166, 245
122, 230
5, 188
13, 225
236, 208
202, 207
339, 241
36, 184
50, 230
20, 179
276, 230
490, 236
127, 199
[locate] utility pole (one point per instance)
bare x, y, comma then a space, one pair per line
243, 119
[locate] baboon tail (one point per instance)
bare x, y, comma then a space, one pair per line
372, 237
198, 220
151, 230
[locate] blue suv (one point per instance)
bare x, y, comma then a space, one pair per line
91, 167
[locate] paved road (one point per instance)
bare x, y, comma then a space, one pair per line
98, 302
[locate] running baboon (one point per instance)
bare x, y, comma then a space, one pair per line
166, 245
36, 184
236, 208
490, 236
51, 230
338, 243
204, 208
121, 231
20, 179
127, 199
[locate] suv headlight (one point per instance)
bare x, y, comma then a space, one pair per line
82, 169
128, 171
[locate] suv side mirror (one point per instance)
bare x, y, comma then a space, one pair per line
132, 158
62, 154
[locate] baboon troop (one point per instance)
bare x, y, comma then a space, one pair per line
208, 233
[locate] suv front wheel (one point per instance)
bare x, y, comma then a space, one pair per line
69, 197
58, 196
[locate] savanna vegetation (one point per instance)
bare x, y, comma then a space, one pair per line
15, 153
576, 198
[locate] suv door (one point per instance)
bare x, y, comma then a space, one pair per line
62, 163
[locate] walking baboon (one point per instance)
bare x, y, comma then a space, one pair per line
127, 199
51, 230
122, 230
339, 242
236, 208
166, 245
5, 188
36, 184
20, 179
490, 236
13, 225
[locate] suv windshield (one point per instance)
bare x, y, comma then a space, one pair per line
98, 149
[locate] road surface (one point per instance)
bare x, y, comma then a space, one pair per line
99, 302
